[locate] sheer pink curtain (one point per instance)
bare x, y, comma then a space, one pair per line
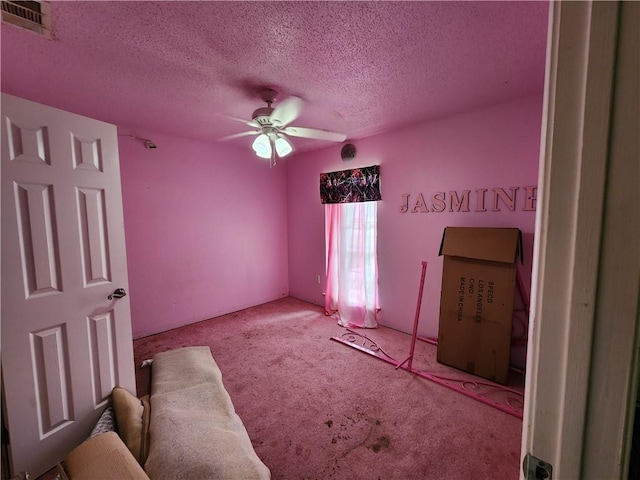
352, 263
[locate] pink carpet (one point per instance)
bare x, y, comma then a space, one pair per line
317, 409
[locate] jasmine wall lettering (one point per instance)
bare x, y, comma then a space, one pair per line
480, 200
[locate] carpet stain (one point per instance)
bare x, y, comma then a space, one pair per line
363, 428
380, 443
277, 361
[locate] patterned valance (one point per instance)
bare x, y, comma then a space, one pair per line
346, 186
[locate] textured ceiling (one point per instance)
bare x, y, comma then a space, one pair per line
362, 67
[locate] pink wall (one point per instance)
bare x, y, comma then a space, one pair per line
487, 148
206, 230
206, 225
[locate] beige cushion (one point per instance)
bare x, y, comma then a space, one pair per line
103, 457
196, 432
144, 440
130, 414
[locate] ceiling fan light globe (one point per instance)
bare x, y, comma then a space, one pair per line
283, 147
262, 146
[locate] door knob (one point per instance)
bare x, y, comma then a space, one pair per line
117, 293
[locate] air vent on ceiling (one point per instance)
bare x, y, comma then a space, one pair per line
30, 15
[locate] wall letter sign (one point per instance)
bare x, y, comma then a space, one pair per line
453, 201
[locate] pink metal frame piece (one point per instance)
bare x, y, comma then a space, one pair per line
416, 320
508, 400
503, 398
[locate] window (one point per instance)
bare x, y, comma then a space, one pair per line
352, 263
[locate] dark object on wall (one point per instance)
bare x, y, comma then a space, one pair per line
347, 186
476, 303
148, 144
348, 152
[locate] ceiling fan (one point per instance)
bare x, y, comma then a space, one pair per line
272, 127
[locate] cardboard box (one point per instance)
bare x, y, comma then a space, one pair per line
476, 303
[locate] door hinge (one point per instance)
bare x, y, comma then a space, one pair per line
536, 469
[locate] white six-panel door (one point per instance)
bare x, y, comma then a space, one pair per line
64, 344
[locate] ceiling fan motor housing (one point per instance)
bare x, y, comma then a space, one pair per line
261, 116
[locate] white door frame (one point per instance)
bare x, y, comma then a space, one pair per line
583, 348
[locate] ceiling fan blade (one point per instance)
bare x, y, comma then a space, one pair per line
250, 123
314, 133
286, 111
241, 134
